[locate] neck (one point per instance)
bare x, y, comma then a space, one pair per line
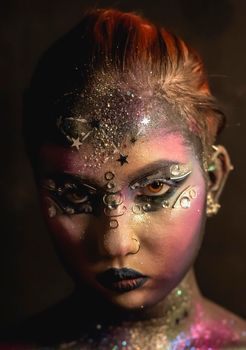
105, 324
177, 306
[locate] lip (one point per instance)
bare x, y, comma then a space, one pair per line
121, 280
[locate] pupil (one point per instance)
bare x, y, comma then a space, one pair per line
155, 185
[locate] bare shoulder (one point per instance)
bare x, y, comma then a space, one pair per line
226, 325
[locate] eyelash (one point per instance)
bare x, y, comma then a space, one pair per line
169, 186
84, 201
88, 201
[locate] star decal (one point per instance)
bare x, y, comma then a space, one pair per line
95, 123
122, 159
76, 143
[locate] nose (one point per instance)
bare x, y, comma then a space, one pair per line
118, 238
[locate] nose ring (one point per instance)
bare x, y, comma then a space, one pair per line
135, 239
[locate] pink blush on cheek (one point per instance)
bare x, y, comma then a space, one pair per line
183, 234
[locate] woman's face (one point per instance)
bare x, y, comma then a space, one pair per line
131, 227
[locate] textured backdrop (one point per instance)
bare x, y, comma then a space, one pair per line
31, 275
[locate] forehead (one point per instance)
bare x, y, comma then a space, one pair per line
160, 147
106, 118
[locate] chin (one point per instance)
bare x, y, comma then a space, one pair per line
132, 300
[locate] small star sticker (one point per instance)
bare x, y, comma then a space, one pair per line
76, 143
122, 159
95, 123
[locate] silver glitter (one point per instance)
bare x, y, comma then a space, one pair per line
145, 120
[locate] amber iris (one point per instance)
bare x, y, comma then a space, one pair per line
155, 187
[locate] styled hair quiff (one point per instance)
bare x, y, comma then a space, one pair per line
125, 43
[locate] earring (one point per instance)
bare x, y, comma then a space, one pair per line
135, 239
212, 206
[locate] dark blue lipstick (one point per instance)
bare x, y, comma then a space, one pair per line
121, 280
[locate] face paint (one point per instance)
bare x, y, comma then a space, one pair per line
70, 194
113, 201
108, 114
154, 191
163, 168
184, 199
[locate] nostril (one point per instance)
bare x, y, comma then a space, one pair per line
118, 242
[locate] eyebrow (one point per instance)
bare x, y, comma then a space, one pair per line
144, 171
151, 168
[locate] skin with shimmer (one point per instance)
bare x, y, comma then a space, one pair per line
119, 124
169, 239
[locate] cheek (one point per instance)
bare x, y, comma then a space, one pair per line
65, 229
174, 236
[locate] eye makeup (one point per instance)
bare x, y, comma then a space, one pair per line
70, 194
154, 191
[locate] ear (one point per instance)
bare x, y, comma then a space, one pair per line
218, 170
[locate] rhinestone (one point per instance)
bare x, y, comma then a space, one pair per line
110, 185
175, 170
113, 223
109, 176
70, 211
67, 185
137, 209
165, 204
59, 190
52, 211
113, 205
51, 184
146, 207
185, 202
87, 208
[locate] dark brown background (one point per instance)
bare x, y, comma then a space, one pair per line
31, 275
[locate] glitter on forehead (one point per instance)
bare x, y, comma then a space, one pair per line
108, 115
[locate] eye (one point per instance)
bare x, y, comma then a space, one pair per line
77, 197
155, 188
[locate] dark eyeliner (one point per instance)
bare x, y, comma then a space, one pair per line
60, 186
156, 201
